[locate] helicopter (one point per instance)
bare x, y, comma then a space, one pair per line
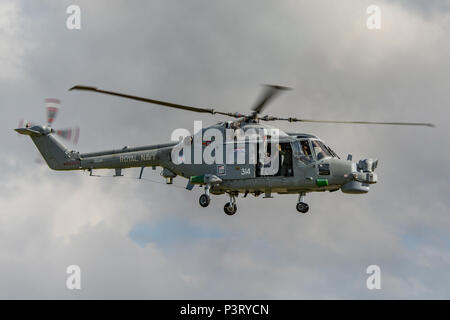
241, 156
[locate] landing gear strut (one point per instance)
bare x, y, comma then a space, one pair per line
205, 199
301, 205
230, 208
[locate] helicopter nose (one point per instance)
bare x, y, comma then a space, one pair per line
362, 176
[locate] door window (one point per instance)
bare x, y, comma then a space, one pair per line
305, 152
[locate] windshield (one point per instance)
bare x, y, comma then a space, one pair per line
304, 150
321, 150
334, 154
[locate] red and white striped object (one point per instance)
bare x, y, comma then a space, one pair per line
52, 109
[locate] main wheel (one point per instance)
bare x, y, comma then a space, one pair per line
302, 207
230, 209
204, 200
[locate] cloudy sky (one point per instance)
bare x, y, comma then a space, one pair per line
139, 239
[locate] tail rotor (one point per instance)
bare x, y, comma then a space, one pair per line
52, 107
70, 134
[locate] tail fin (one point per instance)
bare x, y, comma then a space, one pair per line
54, 152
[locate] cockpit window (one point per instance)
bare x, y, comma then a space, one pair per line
305, 148
305, 154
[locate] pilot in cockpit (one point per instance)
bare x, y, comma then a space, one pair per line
307, 155
305, 148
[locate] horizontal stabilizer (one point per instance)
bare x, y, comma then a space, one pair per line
28, 132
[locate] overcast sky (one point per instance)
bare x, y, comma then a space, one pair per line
139, 239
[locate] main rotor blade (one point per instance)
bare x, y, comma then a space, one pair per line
158, 102
270, 91
269, 118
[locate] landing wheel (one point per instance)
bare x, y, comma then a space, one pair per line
230, 209
302, 207
204, 200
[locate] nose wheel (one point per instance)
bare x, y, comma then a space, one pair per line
301, 206
204, 200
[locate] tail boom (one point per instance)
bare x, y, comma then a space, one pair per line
58, 157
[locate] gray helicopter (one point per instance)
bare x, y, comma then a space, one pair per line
241, 156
